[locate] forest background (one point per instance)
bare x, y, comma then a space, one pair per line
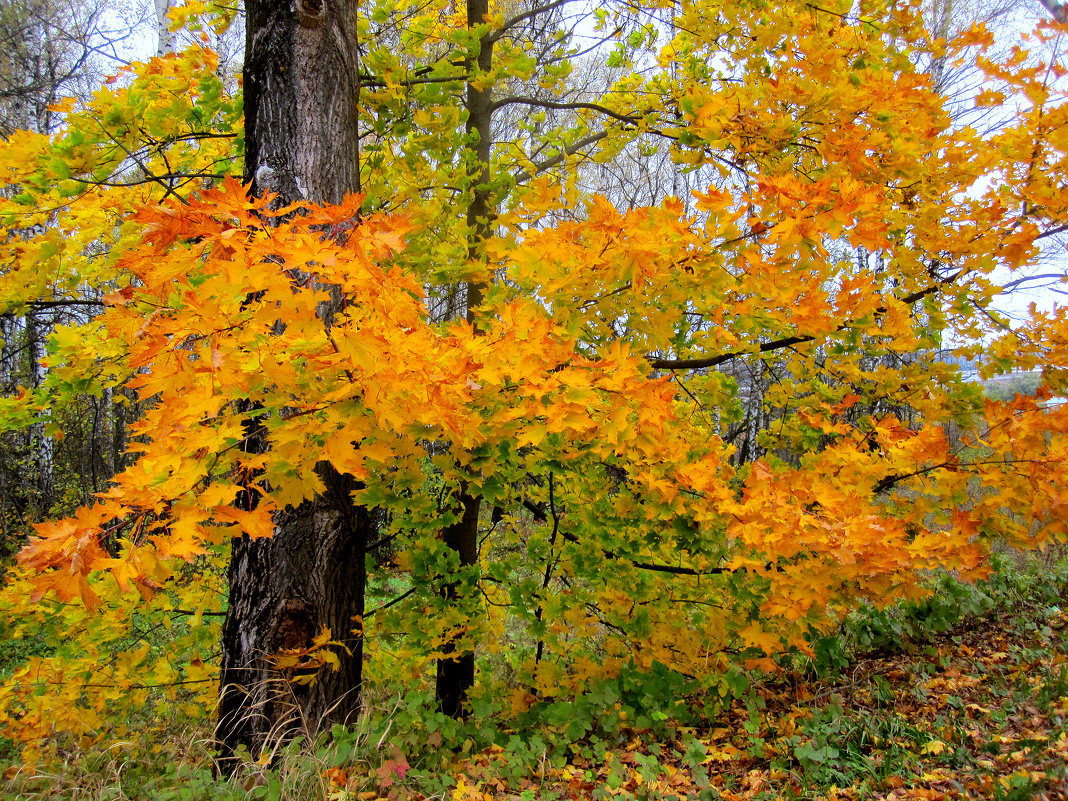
414, 400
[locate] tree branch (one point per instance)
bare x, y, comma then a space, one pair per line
1011, 285
680, 571
1058, 10
1060, 228
511, 23
531, 101
41, 305
388, 604
785, 342
549, 163
539, 513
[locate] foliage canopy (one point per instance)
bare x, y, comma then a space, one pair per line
702, 423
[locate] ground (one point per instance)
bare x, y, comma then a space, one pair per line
980, 712
964, 696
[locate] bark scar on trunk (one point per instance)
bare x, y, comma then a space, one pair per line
295, 631
296, 626
311, 13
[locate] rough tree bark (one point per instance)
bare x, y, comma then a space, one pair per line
300, 82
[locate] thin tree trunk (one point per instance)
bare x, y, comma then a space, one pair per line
42, 444
456, 669
300, 140
481, 210
165, 39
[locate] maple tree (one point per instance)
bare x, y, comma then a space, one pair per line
551, 454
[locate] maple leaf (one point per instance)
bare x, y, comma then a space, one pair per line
393, 770
738, 397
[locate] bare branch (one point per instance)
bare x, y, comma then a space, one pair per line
1011, 285
531, 101
516, 20
40, 305
785, 342
570, 150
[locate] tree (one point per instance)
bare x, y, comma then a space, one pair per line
300, 79
558, 456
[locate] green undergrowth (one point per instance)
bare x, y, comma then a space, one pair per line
1017, 582
961, 695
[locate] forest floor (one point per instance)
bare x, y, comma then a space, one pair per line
975, 710
981, 712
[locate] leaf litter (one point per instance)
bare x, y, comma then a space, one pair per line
979, 713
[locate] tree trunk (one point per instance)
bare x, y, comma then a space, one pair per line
480, 209
165, 38
300, 99
42, 445
300, 143
283, 591
456, 669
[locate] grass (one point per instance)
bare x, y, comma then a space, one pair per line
962, 696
